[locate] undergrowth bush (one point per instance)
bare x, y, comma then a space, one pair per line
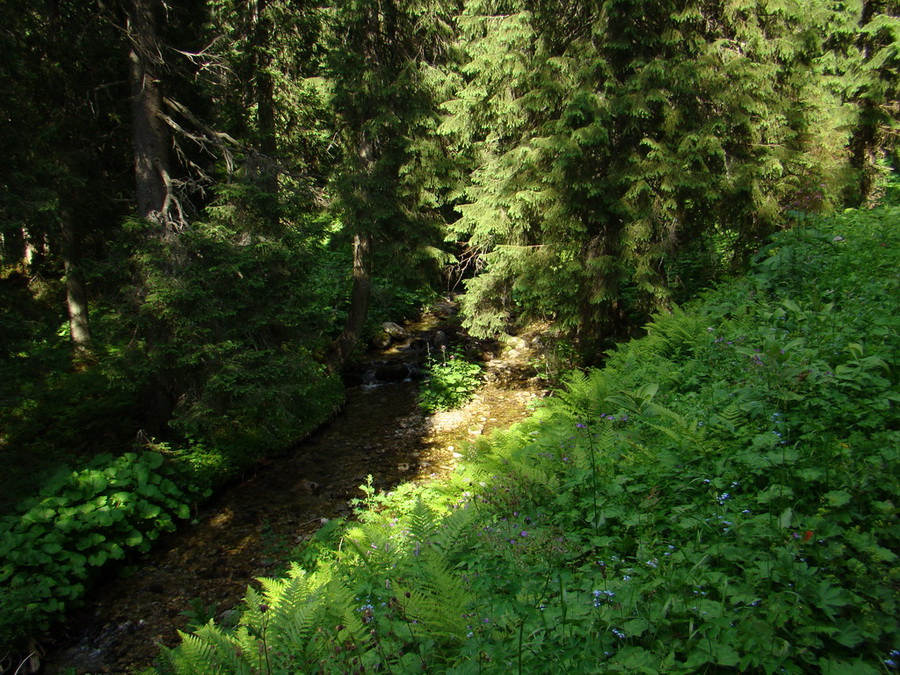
721, 497
451, 383
53, 548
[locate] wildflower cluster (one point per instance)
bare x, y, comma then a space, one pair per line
601, 596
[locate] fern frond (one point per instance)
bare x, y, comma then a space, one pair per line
731, 417
437, 601
672, 335
580, 399
453, 526
208, 651
422, 522
226, 656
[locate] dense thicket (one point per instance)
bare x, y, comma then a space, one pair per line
204, 206
623, 154
700, 504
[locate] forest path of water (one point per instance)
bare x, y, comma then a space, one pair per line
244, 532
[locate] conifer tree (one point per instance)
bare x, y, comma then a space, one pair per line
62, 148
644, 143
262, 61
382, 65
873, 88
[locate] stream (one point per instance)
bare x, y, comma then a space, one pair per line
204, 568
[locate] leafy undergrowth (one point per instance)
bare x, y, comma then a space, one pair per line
721, 497
452, 382
57, 545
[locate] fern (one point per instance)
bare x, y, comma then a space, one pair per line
208, 651
422, 525
276, 629
454, 526
227, 656
580, 399
731, 417
435, 597
672, 335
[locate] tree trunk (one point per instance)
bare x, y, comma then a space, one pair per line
265, 93
362, 252
342, 348
76, 292
867, 137
155, 201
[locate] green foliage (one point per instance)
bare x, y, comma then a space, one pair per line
451, 381
53, 548
599, 173
233, 334
721, 496
636, 160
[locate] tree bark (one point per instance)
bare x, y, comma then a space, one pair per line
265, 103
343, 347
155, 200
76, 291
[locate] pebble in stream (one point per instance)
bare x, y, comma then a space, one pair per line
206, 567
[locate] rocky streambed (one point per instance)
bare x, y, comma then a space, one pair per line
203, 570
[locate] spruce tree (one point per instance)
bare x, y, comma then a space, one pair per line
383, 67
646, 143
872, 86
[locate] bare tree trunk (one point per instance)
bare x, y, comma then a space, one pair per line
76, 291
35, 248
264, 95
343, 347
155, 201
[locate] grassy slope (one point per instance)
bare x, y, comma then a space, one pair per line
722, 496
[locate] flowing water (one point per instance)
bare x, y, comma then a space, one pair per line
204, 568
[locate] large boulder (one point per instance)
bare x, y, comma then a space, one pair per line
396, 331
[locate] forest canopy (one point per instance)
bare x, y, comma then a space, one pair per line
204, 206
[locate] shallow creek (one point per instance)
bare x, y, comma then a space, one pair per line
239, 535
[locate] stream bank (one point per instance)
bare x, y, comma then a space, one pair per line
204, 568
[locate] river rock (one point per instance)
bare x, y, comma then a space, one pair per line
391, 372
440, 340
381, 340
396, 331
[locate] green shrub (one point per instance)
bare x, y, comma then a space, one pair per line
721, 497
451, 383
52, 549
